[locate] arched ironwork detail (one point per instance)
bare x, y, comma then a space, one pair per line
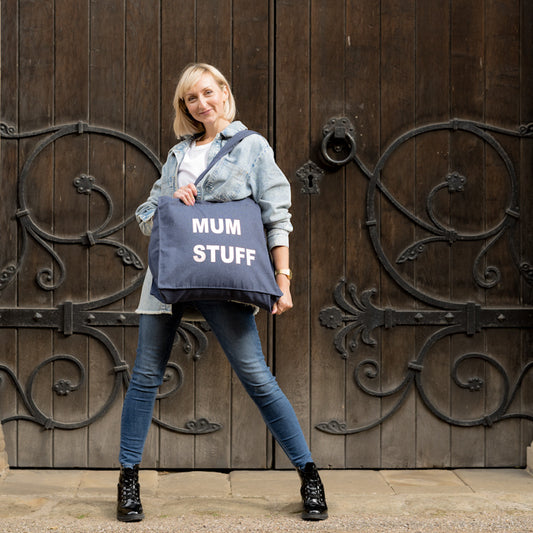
84, 318
355, 317
84, 184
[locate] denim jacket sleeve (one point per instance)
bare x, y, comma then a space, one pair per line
145, 212
271, 190
164, 186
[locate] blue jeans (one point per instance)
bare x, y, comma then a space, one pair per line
234, 326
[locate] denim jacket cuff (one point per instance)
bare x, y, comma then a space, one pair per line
278, 238
145, 225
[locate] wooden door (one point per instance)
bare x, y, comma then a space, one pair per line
405, 130
406, 127
87, 90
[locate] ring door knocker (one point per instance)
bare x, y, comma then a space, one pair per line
339, 138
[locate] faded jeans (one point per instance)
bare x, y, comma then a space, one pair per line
234, 326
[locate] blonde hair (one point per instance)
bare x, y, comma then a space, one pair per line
184, 124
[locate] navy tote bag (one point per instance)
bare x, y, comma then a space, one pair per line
211, 250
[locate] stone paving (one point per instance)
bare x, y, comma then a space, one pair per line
400, 500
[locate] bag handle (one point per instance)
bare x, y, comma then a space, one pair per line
230, 144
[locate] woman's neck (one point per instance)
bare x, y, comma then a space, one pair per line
211, 131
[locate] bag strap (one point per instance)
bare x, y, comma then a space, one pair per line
230, 144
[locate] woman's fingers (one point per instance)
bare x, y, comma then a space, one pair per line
283, 304
187, 194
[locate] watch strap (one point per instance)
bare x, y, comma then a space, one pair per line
285, 271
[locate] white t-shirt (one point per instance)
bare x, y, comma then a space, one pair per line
193, 164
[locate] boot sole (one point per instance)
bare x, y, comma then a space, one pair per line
130, 518
314, 516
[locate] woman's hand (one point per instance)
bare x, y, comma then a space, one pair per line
280, 257
285, 301
187, 194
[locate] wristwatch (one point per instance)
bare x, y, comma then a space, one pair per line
285, 271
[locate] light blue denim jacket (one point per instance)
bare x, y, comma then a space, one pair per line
248, 170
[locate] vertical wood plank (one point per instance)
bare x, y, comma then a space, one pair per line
292, 122
106, 163
525, 237
178, 48
142, 43
432, 271
8, 237
70, 216
36, 103
502, 107
397, 116
142, 87
251, 58
362, 108
214, 34
466, 157
327, 230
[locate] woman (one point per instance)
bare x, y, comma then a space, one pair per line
205, 110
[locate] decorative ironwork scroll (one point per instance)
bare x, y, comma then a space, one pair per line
355, 318
84, 318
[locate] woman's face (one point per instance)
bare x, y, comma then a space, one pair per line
205, 102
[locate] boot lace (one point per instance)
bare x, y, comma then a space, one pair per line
130, 489
313, 490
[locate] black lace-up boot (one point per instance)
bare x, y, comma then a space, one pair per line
129, 507
312, 492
